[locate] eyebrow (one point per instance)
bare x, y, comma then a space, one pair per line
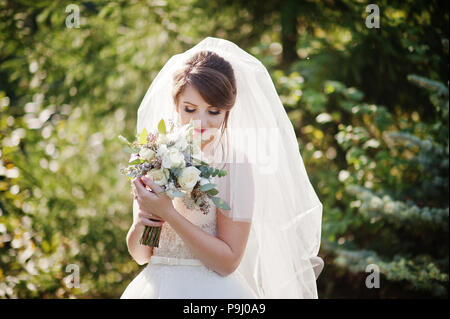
195, 104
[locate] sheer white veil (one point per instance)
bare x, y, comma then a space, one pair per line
266, 184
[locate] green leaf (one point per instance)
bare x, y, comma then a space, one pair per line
143, 137
220, 203
207, 187
222, 173
200, 162
176, 193
176, 171
162, 127
130, 150
136, 161
123, 139
213, 192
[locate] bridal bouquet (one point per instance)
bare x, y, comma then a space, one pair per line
172, 160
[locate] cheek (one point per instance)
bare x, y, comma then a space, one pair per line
216, 121
185, 117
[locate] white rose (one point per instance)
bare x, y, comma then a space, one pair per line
179, 140
188, 178
162, 150
159, 176
147, 154
181, 143
173, 158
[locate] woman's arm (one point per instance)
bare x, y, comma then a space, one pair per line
223, 253
140, 253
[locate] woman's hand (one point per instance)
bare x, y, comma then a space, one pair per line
153, 204
148, 219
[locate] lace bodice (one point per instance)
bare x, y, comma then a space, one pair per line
171, 245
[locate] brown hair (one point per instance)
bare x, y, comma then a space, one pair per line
212, 76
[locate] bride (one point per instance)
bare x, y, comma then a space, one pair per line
266, 245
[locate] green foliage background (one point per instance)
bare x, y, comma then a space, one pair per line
369, 106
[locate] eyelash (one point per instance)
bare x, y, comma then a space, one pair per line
212, 113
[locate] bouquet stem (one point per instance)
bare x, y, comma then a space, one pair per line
150, 236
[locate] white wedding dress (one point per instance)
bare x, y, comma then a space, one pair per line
174, 272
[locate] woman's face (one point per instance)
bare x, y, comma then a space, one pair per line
207, 118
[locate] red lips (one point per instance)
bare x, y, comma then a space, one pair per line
200, 130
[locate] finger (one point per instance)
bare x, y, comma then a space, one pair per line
135, 182
148, 222
149, 182
140, 188
149, 215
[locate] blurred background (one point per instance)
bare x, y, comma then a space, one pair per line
369, 106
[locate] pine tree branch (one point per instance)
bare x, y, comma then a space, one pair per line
398, 213
422, 272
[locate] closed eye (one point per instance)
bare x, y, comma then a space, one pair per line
210, 112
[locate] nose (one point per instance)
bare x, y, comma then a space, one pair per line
200, 120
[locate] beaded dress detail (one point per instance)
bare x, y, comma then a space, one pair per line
170, 244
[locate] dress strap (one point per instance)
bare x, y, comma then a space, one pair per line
174, 261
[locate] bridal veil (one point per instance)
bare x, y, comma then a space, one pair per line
266, 184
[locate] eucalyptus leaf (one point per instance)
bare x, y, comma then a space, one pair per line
176, 193
200, 161
131, 150
207, 187
220, 203
213, 192
176, 171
